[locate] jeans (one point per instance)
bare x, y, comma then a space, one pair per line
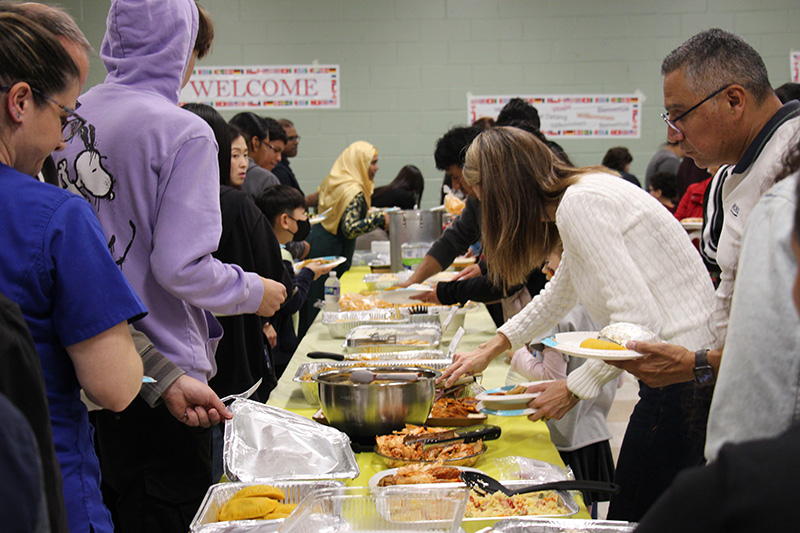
666, 433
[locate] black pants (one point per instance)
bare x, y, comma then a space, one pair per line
666, 434
155, 469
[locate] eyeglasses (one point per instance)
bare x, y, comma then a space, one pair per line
671, 122
70, 125
276, 150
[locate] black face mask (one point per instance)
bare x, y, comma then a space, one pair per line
303, 229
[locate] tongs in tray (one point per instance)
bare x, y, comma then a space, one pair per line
466, 435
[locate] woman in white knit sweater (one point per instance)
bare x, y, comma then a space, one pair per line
626, 259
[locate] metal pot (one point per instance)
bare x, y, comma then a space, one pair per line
367, 410
411, 226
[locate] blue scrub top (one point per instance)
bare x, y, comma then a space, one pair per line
54, 263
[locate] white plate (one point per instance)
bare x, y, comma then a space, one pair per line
329, 259
569, 342
504, 412
403, 296
692, 225
373, 481
510, 401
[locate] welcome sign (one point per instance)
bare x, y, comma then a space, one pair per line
579, 116
288, 86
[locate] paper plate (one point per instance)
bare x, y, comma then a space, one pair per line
334, 260
504, 412
569, 342
403, 296
506, 402
691, 225
373, 481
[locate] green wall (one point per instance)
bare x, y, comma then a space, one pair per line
407, 65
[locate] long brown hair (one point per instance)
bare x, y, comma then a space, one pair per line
519, 180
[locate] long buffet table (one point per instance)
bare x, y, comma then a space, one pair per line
519, 435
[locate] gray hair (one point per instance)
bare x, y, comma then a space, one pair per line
713, 58
54, 19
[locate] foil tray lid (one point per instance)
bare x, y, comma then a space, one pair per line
545, 525
622, 332
264, 442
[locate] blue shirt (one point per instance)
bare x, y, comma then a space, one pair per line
55, 264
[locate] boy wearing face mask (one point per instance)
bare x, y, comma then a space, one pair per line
285, 208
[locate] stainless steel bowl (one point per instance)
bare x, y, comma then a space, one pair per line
366, 410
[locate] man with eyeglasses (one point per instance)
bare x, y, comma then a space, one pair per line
283, 170
720, 109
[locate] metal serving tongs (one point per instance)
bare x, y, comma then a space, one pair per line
466, 435
488, 485
462, 382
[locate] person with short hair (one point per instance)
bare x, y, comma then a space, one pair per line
787, 92
276, 142
517, 109
664, 188
619, 159
283, 169
667, 159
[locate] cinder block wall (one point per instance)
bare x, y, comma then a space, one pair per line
407, 65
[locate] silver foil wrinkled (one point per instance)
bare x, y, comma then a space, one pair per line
339, 323
264, 442
545, 525
360, 339
622, 332
310, 388
205, 520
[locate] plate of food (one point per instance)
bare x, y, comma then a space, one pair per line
328, 260
508, 397
420, 474
405, 296
586, 344
395, 453
692, 223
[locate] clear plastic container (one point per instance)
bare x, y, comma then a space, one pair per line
387, 509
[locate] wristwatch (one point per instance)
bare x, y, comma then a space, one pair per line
703, 373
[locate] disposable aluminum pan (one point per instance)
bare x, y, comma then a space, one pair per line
381, 282
205, 521
340, 323
571, 506
311, 389
549, 525
267, 443
375, 339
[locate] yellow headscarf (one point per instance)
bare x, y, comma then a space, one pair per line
348, 177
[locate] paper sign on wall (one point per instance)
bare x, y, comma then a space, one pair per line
794, 66
580, 116
287, 86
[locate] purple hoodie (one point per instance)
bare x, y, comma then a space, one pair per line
150, 171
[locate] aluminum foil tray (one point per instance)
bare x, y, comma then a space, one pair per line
547, 525
405, 337
381, 282
392, 509
566, 498
311, 389
267, 443
205, 521
340, 323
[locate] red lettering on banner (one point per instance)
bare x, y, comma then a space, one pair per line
270, 92
222, 88
250, 91
199, 87
311, 87
289, 88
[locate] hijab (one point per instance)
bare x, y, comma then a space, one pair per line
348, 177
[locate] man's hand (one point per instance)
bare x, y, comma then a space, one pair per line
274, 296
472, 271
553, 403
194, 403
271, 334
664, 364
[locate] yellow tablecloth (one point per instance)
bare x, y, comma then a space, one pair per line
519, 436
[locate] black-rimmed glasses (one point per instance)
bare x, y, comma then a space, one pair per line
70, 125
671, 122
276, 150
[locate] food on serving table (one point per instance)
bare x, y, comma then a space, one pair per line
498, 504
307, 262
415, 342
518, 389
597, 344
454, 407
453, 204
622, 332
421, 474
694, 220
256, 502
368, 300
393, 446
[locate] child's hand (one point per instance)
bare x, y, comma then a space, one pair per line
271, 334
319, 269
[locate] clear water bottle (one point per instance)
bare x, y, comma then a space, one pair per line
332, 293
